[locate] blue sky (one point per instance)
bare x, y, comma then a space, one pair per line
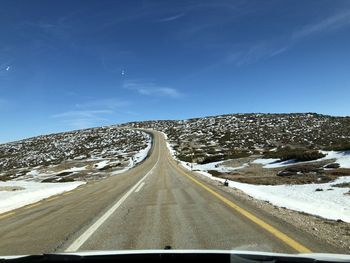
74, 64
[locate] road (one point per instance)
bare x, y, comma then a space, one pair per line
153, 205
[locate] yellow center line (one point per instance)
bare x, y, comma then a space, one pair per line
7, 215
286, 239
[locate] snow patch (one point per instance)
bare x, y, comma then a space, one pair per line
330, 204
102, 164
75, 169
217, 166
137, 158
32, 193
142, 154
341, 157
265, 161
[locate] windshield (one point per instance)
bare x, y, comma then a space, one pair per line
215, 125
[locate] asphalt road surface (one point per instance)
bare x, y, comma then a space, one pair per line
153, 205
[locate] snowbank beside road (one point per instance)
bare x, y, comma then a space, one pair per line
29, 192
324, 200
137, 158
327, 201
142, 154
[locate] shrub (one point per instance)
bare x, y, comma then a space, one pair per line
343, 145
185, 158
332, 166
238, 154
212, 158
299, 154
214, 173
224, 156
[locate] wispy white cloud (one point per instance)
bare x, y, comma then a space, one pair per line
81, 114
103, 103
251, 54
247, 54
328, 24
91, 113
151, 89
80, 119
81, 123
172, 18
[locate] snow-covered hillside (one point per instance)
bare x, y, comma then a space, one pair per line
40, 167
244, 134
76, 155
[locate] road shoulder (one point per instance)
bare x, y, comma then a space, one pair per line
333, 234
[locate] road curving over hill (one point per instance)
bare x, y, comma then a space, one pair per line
153, 205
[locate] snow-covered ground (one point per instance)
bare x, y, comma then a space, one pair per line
275, 163
106, 161
341, 157
36, 175
138, 157
217, 166
102, 164
15, 194
28, 185
66, 150
142, 154
75, 169
330, 202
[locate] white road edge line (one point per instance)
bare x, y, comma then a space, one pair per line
92, 229
140, 186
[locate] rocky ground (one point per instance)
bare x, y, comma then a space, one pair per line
224, 137
78, 155
298, 173
238, 139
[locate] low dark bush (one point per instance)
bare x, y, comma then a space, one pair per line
224, 156
62, 174
342, 185
212, 158
238, 154
344, 172
298, 154
332, 166
339, 146
214, 173
304, 169
285, 173
66, 179
185, 158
